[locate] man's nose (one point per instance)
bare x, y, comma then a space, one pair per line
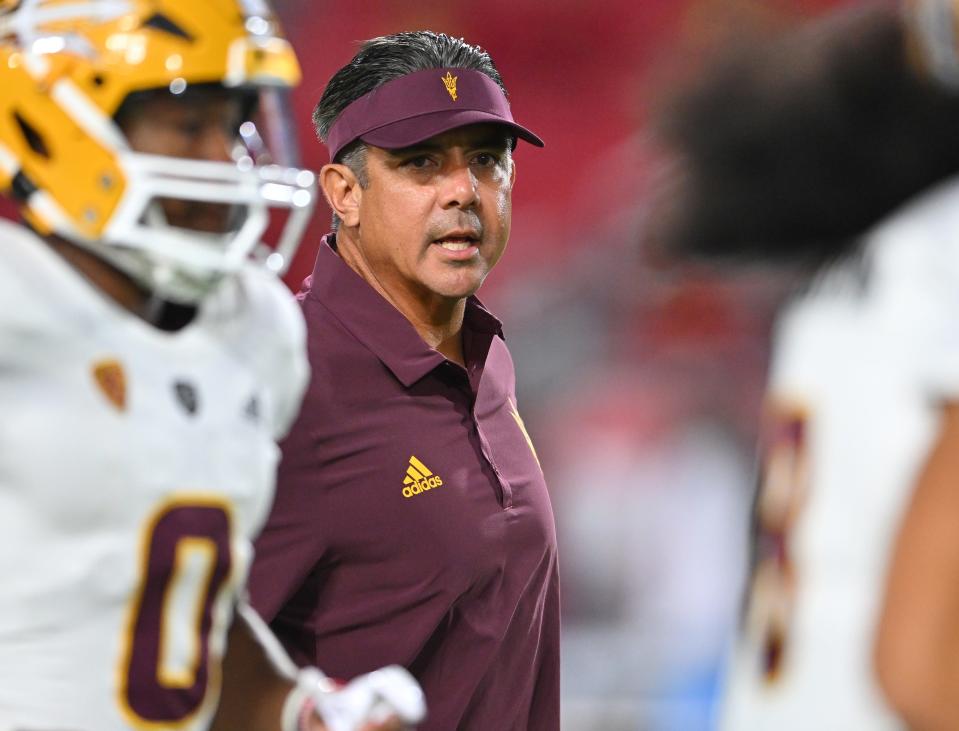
459, 188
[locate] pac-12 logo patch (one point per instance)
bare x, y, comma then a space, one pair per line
187, 396
252, 409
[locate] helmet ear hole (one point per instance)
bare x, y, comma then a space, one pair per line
22, 187
33, 138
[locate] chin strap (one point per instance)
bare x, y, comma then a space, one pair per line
161, 281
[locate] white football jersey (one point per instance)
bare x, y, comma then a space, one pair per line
861, 363
136, 466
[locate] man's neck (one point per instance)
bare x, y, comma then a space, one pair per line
110, 281
438, 321
444, 334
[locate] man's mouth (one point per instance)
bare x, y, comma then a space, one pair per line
458, 240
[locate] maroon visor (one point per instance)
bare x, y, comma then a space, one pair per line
415, 107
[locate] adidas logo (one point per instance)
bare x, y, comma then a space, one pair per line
419, 479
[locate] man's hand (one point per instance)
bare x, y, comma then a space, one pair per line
261, 682
388, 699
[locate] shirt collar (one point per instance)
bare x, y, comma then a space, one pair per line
373, 321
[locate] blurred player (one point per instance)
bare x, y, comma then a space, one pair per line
836, 148
149, 359
918, 648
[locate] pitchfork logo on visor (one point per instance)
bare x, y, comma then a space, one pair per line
449, 81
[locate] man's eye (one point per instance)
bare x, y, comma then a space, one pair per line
420, 162
486, 160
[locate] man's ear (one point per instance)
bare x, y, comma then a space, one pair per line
343, 192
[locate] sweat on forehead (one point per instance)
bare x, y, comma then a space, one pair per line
420, 105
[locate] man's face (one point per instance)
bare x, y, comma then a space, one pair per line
435, 218
202, 126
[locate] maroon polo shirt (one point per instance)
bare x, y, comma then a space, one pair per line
412, 524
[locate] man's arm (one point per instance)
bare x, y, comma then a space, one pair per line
917, 653
253, 691
259, 682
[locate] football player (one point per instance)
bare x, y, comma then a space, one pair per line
917, 653
835, 147
149, 359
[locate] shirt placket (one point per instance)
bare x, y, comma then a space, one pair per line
474, 376
506, 491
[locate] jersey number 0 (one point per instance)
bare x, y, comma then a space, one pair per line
166, 670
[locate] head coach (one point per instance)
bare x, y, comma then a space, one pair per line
412, 523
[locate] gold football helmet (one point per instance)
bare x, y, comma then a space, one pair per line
66, 66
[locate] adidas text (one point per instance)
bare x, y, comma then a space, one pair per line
421, 486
